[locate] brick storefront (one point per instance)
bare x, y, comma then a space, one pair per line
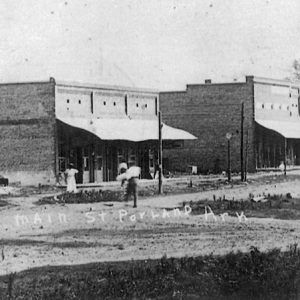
44, 126
209, 111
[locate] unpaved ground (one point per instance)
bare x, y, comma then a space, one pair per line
81, 233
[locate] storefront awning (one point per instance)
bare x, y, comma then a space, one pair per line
127, 129
290, 130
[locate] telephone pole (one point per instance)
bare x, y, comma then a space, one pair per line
159, 153
242, 143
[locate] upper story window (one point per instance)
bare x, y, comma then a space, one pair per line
79, 101
68, 100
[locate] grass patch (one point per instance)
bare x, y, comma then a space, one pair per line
272, 206
3, 203
83, 197
254, 275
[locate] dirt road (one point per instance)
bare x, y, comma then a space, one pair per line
81, 233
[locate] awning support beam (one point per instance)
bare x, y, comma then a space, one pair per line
285, 153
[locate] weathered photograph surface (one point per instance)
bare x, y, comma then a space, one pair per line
150, 149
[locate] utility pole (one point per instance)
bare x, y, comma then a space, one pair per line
242, 143
228, 137
246, 155
159, 153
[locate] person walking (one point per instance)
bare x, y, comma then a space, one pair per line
70, 178
132, 177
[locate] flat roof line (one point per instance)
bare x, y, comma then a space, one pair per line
284, 82
85, 85
26, 82
217, 83
104, 87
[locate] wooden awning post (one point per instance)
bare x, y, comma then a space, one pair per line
285, 152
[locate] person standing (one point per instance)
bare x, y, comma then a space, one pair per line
70, 178
122, 169
156, 166
132, 175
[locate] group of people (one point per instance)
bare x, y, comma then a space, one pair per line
128, 177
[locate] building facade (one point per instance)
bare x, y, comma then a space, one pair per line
47, 125
270, 127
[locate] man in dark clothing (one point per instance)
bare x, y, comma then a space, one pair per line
132, 188
132, 175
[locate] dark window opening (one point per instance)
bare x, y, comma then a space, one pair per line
137, 105
126, 104
114, 103
104, 102
146, 105
68, 101
79, 101
262, 106
155, 105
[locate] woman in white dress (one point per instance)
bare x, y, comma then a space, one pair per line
70, 179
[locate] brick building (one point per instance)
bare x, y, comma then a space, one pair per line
46, 125
271, 127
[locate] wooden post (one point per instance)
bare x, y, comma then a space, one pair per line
228, 161
159, 153
285, 150
242, 142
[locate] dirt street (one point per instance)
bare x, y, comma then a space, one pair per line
80, 233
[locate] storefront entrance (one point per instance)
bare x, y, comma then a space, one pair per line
96, 160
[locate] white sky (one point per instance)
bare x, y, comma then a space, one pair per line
162, 44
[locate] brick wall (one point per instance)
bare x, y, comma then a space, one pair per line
209, 111
27, 126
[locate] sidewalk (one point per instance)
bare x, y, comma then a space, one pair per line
182, 179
